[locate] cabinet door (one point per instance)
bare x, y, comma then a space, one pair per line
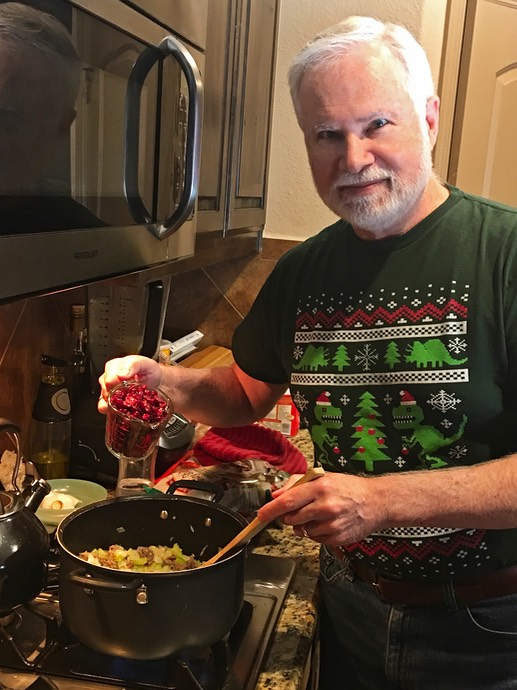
238, 80
254, 89
218, 80
484, 146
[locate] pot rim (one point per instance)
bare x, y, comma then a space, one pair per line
59, 534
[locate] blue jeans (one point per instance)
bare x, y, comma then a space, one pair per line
367, 644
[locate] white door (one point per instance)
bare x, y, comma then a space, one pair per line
484, 142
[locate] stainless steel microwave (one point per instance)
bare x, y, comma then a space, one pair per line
100, 134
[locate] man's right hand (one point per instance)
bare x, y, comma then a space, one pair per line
141, 369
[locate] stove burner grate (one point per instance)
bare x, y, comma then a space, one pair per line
31, 649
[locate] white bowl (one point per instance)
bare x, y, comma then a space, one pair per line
85, 492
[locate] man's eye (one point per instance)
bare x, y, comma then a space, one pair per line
379, 123
329, 135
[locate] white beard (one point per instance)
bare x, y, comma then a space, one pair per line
382, 209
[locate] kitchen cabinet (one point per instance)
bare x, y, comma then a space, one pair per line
239, 76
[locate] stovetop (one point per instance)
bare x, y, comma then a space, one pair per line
37, 652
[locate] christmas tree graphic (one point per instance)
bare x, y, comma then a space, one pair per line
370, 439
392, 355
341, 358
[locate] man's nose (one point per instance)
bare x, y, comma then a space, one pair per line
356, 154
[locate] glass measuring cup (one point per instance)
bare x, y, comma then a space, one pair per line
136, 417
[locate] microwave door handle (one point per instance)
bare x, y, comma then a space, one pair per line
168, 47
139, 72
193, 143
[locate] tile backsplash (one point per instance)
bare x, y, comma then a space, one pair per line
212, 299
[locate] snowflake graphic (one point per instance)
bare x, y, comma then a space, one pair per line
298, 352
388, 399
457, 452
344, 399
300, 401
457, 345
446, 424
366, 357
443, 401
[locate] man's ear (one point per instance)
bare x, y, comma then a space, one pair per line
432, 117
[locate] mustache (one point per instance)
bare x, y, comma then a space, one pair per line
370, 175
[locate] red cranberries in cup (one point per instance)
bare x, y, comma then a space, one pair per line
140, 402
136, 416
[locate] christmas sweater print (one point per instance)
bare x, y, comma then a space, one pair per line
390, 357
378, 384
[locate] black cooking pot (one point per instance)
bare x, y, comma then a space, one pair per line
150, 615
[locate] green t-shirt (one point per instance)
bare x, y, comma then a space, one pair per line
401, 354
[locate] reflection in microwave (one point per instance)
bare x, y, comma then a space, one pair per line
39, 81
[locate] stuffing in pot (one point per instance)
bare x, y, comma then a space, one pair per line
143, 559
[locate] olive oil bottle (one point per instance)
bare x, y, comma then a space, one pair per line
51, 426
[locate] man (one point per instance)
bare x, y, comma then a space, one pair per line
396, 331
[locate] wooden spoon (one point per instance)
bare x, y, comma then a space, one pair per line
256, 525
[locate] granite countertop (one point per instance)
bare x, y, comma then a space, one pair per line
285, 663
291, 646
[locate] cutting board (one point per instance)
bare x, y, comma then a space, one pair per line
211, 356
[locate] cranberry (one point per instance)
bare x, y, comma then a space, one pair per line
138, 401
136, 433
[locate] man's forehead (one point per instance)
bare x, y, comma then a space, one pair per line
367, 86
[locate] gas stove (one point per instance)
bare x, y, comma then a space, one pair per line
37, 652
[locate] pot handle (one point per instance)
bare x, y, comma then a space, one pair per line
82, 579
209, 487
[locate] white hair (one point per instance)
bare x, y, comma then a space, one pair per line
342, 38
26, 29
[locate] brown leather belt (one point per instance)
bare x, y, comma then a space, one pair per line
414, 593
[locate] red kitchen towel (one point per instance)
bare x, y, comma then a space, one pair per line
252, 441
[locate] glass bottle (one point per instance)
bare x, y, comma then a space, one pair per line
51, 425
78, 364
